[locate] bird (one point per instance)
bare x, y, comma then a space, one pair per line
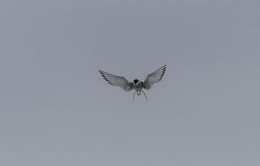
136, 85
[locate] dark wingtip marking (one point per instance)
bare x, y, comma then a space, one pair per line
104, 77
163, 71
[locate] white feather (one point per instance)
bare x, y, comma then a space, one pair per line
154, 77
117, 80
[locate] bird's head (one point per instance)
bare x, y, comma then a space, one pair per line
136, 81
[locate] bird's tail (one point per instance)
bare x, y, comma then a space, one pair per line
145, 96
143, 93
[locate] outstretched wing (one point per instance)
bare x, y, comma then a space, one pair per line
117, 81
154, 77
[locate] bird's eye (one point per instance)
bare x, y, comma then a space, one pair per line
135, 81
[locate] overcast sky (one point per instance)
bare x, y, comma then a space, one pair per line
56, 110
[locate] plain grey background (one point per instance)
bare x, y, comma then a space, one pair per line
55, 109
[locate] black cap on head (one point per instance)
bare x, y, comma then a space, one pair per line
135, 81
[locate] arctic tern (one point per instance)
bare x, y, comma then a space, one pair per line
137, 85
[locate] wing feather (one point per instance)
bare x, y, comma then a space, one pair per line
154, 77
115, 80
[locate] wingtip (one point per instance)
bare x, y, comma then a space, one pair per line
163, 68
102, 72
163, 71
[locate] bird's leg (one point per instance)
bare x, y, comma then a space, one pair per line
134, 96
145, 96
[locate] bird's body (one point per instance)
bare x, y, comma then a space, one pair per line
136, 85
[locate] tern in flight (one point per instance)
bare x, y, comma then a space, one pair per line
137, 85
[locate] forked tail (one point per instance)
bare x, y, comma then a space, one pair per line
145, 96
134, 96
143, 93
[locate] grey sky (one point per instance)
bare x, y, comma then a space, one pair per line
55, 108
